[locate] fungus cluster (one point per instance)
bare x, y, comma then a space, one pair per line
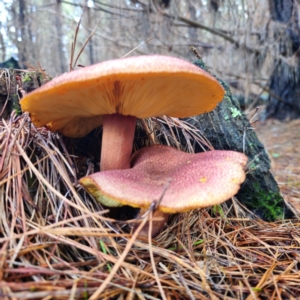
114, 94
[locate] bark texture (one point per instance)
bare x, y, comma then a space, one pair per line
228, 128
285, 80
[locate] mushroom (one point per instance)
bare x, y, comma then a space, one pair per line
196, 180
114, 93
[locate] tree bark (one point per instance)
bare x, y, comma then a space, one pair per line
2, 45
91, 42
60, 47
227, 128
22, 49
285, 80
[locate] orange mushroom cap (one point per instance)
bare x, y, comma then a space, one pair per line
196, 180
143, 86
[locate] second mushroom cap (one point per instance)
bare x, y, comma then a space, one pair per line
196, 180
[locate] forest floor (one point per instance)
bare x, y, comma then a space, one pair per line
55, 242
282, 141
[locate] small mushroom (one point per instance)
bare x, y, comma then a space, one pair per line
114, 93
196, 180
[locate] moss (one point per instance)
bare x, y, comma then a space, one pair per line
27, 77
252, 166
200, 63
218, 211
235, 112
267, 205
15, 104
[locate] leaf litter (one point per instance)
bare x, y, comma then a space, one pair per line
57, 243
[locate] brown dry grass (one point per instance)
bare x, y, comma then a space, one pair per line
56, 244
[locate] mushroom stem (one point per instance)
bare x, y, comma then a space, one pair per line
157, 225
117, 141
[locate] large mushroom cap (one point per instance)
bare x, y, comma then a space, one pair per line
142, 86
196, 180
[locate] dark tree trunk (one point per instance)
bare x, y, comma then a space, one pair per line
60, 48
22, 32
88, 21
31, 39
192, 31
91, 42
228, 128
285, 80
2, 46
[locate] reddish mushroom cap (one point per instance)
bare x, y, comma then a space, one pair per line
196, 180
143, 86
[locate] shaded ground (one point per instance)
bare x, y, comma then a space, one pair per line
282, 141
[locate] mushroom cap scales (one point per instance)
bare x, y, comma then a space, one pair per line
143, 86
196, 180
